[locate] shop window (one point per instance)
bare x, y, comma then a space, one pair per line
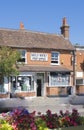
22, 83
59, 79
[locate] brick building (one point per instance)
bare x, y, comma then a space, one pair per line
79, 68
48, 68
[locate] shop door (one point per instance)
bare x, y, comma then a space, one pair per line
39, 87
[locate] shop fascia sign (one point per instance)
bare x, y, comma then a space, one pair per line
39, 56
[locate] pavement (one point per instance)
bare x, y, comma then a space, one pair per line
42, 104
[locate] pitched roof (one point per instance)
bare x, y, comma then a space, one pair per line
29, 39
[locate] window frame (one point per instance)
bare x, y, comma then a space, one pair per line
80, 81
18, 82
23, 57
53, 57
62, 76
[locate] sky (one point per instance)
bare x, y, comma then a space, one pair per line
44, 16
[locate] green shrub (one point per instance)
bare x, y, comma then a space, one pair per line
41, 124
5, 125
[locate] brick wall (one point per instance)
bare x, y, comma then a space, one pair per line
65, 58
79, 61
31, 62
56, 91
4, 96
80, 89
25, 94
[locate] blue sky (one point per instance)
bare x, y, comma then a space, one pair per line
44, 16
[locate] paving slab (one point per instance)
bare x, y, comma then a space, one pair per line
42, 104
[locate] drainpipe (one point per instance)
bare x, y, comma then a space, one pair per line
74, 72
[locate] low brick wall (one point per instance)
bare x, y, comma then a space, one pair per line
56, 91
25, 94
4, 95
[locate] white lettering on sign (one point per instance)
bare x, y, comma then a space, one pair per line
39, 56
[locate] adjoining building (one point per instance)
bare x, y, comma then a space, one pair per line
79, 69
48, 59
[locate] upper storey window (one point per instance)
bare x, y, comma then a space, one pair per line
23, 56
55, 58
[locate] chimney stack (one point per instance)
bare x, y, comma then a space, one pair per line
21, 25
65, 28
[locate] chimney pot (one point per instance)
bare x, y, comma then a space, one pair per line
65, 28
64, 21
21, 25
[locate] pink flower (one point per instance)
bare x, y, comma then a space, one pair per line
14, 126
3, 114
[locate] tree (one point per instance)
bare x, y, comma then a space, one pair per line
8, 62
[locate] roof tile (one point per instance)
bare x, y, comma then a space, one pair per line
30, 39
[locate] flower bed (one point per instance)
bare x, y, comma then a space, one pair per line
21, 119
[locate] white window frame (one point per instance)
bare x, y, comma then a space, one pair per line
18, 80
56, 85
54, 58
20, 50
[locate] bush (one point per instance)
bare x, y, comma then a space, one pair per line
52, 120
21, 119
5, 125
63, 119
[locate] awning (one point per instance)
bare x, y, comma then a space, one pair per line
40, 68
